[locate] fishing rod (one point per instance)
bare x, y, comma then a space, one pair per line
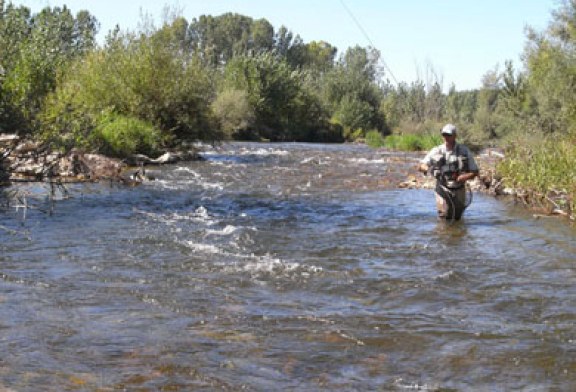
363, 31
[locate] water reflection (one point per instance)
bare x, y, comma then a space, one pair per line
292, 267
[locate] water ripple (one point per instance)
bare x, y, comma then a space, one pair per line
284, 267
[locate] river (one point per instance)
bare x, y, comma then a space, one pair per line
283, 267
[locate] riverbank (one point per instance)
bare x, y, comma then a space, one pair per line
28, 161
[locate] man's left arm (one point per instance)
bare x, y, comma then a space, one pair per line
473, 170
467, 176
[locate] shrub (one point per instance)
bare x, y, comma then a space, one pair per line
354, 115
138, 77
233, 111
375, 139
412, 142
122, 136
543, 166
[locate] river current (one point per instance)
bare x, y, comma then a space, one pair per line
294, 267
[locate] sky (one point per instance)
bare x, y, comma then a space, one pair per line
450, 41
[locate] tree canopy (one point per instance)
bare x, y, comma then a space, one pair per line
232, 76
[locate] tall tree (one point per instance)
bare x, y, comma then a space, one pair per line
319, 56
221, 38
352, 93
283, 41
434, 103
486, 121
35, 49
551, 63
283, 107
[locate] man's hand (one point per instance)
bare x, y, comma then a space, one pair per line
423, 168
466, 176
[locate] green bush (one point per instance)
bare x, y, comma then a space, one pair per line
34, 50
139, 77
354, 115
282, 106
233, 111
412, 142
123, 136
375, 139
431, 140
543, 166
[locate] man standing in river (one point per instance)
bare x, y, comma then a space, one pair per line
452, 165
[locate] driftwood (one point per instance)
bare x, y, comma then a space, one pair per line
166, 158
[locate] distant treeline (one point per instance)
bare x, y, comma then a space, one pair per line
234, 77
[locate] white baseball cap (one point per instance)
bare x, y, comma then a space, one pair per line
449, 129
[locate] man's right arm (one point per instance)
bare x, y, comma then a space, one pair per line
424, 164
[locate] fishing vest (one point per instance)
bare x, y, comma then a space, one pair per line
449, 164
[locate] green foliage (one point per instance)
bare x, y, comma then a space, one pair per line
123, 136
461, 106
145, 78
405, 103
552, 72
375, 139
223, 37
412, 142
353, 114
270, 87
11, 118
486, 119
350, 91
543, 165
34, 50
283, 107
538, 111
152, 80
67, 122
318, 56
233, 112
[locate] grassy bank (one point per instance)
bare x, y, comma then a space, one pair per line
544, 172
409, 142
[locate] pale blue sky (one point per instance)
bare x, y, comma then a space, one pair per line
460, 40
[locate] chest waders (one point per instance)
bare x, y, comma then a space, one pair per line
457, 196
456, 200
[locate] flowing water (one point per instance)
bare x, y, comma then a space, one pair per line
283, 267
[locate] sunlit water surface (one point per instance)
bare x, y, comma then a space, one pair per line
283, 267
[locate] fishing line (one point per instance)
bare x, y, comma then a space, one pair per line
450, 197
367, 38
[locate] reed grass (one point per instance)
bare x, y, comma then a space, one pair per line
375, 139
407, 142
545, 168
